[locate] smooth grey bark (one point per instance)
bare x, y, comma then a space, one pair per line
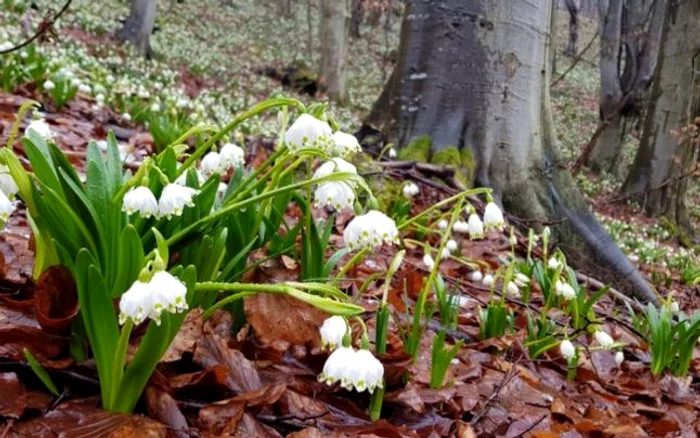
139, 26
660, 174
572, 6
335, 41
630, 34
475, 75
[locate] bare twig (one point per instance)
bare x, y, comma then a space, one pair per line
575, 61
507, 378
45, 26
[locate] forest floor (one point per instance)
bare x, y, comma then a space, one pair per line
261, 380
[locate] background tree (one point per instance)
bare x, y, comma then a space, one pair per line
472, 77
357, 16
668, 152
138, 26
335, 41
630, 31
573, 7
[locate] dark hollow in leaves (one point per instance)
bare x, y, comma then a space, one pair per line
56, 300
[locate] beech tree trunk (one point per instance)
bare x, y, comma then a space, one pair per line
139, 26
663, 165
335, 39
475, 75
572, 6
629, 45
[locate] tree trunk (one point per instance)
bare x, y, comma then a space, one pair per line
572, 6
139, 26
358, 15
662, 167
334, 35
474, 75
630, 34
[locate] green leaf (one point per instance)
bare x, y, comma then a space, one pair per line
41, 373
131, 260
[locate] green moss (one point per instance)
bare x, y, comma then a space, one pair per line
462, 160
417, 150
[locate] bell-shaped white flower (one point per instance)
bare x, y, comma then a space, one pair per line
493, 217
461, 227
428, 261
604, 339
167, 294
521, 280
368, 372
488, 280
7, 184
475, 227
334, 370
442, 224
345, 145
567, 349
553, 263
336, 194
135, 303
673, 306
41, 128
230, 157
476, 276
7, 207
445, 253
410, 190
174, 199
49, 85
564, 290
513, 290
141, 200
392, 153
336, 165
619, 358
84, 88
333, 331
370, 230
210, 164
155, 108
451, 245
308, 132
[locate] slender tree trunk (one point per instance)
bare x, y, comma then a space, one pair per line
139, 26
474, 75
358, 15
666, 157
630, 34
572, 6
335, 41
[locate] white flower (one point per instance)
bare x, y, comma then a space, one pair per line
546, 232
513, 290
7, 207
475, 227
521, 280
221, 191
231, 156
49, 85
333, 331
553, 263
673, 306
210, 164
451, 245
84, 89
167, 293
75, 82
336, 194
308, 132
141, 200
410, 190
155, 108
604, 339
7, 184
476, 276
493, 217
345, 145
41, 128
487, 280
392, 153
445, 253
461, 227
174, 199
619, 358
567, 349
442, 224
126, 117
135, 303
370, 231
428, 261
357, 370
100, 98
564, 290
335, 165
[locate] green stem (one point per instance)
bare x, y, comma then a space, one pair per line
118, 364
349, 265
472, 192
375, 404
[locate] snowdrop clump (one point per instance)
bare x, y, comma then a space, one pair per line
149, 299
354, 369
